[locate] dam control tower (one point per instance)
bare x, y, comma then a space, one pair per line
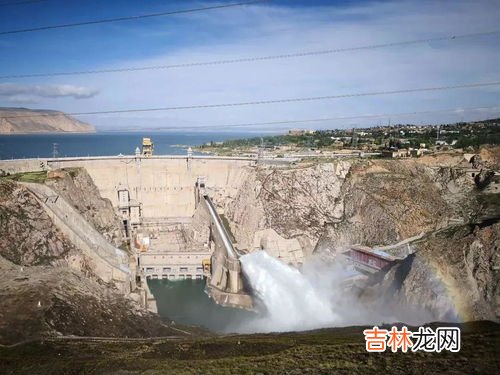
147, 147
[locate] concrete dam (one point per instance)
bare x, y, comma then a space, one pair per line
170, 208
177, 215
205, 218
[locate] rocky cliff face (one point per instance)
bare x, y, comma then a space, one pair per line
47, 286
28, 235
78, 189
326, 207
25, 121
453, 275
285, 210
388, 201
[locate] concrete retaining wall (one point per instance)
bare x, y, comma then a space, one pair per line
109, 263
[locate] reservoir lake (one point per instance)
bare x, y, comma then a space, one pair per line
105, 143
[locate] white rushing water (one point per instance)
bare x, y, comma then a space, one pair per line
312, 298
293, 300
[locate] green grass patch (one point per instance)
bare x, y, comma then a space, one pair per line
328, 351
37, 177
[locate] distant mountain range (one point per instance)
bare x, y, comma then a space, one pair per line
29, 121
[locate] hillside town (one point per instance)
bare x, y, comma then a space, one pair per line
392, 141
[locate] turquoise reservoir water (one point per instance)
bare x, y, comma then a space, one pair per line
104, 144
185, 301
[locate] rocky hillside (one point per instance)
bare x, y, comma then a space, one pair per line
325, 207
77, 188
42, 301
285, 210
387, 201
48, 286
28, 235
27, 121
454, 275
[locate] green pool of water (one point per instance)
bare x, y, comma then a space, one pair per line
185, 301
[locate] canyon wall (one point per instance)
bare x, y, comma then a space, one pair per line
77, 188
285, 210
325, 207
453, 275
28, 235
437, 202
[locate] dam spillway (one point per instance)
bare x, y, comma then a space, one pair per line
225, 284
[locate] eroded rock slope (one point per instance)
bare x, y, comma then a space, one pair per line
438, 200
78, 189
48, 286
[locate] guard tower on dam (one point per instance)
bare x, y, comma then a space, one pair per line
147, 147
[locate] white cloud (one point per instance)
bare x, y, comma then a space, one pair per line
27, 93
267, 30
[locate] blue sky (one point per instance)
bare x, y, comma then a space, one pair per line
268, 28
